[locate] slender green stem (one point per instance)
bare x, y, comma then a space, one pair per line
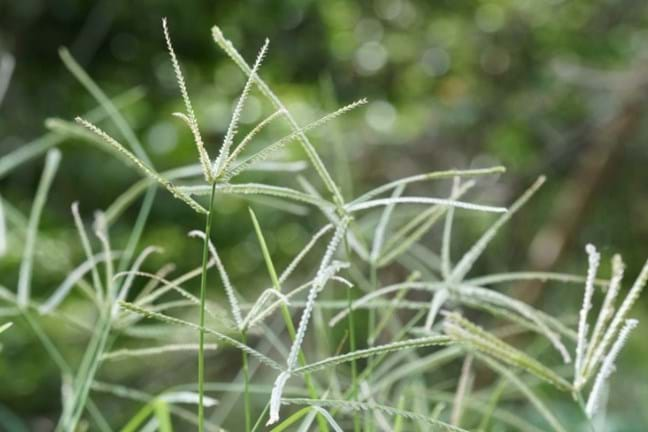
352, 344
354, 366
371, 325
246, 386
259, 421
203, 289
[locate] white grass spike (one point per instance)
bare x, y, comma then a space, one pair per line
219, 163
323, 275
608, 368
621, 314
607, 310
594, 259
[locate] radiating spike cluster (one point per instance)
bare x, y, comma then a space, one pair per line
190, 117
621, 314
383, 246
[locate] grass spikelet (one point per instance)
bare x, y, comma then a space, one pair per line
217, 335
259, 189
607, 309
320, 280
607, 368
594, 259
267, 151
313, 156
253, 133
190, 117
300, 256
473, 336
141, 166
224, 153
125, 354
619, 317
373, 351
360, 407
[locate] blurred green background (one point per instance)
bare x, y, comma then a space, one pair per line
554, 87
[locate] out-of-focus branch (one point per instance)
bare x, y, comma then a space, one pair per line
7, 64
596, 160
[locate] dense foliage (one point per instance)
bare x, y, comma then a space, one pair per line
541, 87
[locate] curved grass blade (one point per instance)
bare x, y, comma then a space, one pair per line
52, 161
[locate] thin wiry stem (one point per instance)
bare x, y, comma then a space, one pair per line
246, 386
203, 292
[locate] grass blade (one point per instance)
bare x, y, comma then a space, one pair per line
52, 161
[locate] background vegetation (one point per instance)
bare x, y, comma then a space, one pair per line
541, 86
